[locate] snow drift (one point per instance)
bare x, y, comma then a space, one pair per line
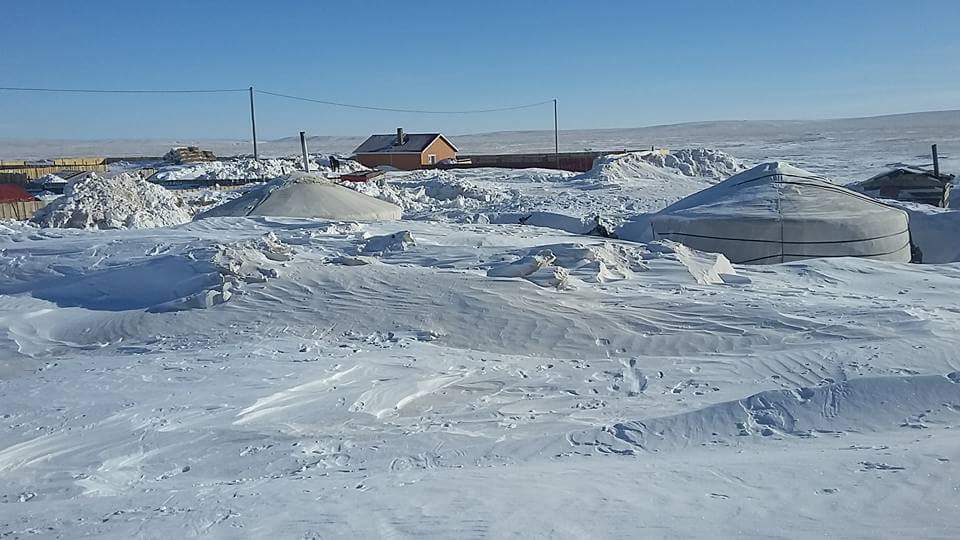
309, 195
125, 201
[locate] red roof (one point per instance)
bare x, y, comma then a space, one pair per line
14, 193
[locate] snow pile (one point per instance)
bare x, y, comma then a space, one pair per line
706, 268
125, 201
234, 264
398, 241
440, 194
248, 169
702, 162
50, 179
562, 266
199, 201
687, 162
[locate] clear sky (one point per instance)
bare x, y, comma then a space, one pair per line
610, 64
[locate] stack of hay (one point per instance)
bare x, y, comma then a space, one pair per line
189, 154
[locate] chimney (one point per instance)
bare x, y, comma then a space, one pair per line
400, 136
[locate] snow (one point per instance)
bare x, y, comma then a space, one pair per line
120, 202
50, 179
247, 169
933, 230
301, 194
482, 368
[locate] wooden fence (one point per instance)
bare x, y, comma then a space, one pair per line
22, 172
20, 210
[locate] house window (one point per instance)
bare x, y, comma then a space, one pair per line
432, 159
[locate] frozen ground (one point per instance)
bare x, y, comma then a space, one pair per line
479, 369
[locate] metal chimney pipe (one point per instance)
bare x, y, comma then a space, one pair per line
399, 136
936, 161
303, 147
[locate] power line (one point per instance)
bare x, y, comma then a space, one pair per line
100, 91
276, 94
392, 109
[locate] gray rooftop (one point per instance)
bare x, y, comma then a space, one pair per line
386, 144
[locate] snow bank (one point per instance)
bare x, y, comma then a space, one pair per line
704, 162
933, 230
687, 162
248, 168
438, 194
125, 201
867, 404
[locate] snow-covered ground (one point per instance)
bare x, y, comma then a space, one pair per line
478, 369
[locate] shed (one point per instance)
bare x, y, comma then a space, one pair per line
405, 151
911, 184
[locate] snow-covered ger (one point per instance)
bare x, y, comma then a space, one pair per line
777, 213
306, 195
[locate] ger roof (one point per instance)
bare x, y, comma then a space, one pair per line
387, 144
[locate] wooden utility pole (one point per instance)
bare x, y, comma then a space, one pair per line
556, 134
303, 147
253, 125
936, 161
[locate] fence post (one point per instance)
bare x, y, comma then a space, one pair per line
556, 134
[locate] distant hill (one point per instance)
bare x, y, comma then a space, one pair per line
897, 130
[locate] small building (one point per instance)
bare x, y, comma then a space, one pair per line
405, 151
911, 184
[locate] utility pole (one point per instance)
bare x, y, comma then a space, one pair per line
253, 125
936, 161
303, 147
556, 134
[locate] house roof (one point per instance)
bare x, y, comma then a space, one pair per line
14, 193
387, 144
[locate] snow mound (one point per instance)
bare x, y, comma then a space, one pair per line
125, 201
438, 194
200, 277
306, 195
703, 162
398, 241
50, 179
706, 268
688, 162
248, 169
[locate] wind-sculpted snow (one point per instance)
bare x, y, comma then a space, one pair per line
454, 376
861, 405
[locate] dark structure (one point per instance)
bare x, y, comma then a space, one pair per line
909, 184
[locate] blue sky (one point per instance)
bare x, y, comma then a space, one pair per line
610, 64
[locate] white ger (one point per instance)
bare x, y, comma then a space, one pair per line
777, 213
306, 195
